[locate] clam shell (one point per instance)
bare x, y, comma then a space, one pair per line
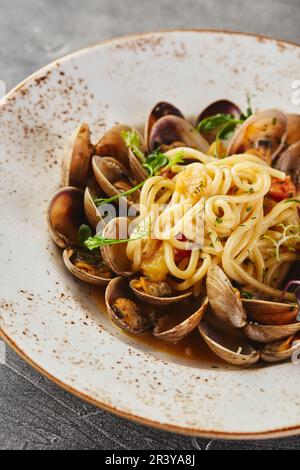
270, 333
150, 299
76, 163
293, 128
280, 350
218, 107
92, 191
112, 144
182, 329
270, 313
115, 255
223, 299
171, 131
117, 288
82, 275
65, 215
163, 108
269, 125
289, 162
226, 342
109, 171
137, 171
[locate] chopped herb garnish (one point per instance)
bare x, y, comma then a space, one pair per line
251, 190
100, 201
249, 208
274, 121
214, 122
297, 201
175, 159
84, 233
247, 295
155, 161
97, 241
219, 220
249, 110
133, 141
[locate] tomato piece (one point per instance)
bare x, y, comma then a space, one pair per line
281, 190
181, 254
168, 173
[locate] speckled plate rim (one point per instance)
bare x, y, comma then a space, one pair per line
272, 434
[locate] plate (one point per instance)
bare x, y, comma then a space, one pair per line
52, 320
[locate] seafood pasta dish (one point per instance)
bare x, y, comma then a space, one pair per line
192, 227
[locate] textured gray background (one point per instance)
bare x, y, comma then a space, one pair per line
34, 413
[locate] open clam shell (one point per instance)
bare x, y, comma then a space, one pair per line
151, 296
218, 107
163, 108
137, 171
81, 274
289, 162
293, 128
93, 191
173, 131
270, 333
264, 132
112, 145
125, 310
76, 163
224, 300
270, 313
112, 177
281, 350
65, 215
115, 255
175, 326
229, 344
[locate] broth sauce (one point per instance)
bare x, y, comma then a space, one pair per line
192, 348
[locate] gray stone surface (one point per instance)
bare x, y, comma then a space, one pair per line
34, 413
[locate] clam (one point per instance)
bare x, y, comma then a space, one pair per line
289, 162
218, 107
263, 133
113, 177
115, 255
112, 145
230, 344
163, 108
65, 215
92, 192
175, 326
266, 312
137, 171
76, 163
270, 333
125, 310
224, 300
281, 350
86, 266
173, 131
156, 293
293, 128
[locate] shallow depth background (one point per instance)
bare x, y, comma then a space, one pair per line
34, 413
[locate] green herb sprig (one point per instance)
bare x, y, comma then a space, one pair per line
156, 161
133, 141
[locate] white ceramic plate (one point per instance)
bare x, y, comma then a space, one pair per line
48, 317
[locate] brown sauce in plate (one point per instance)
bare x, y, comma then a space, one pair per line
192, 348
